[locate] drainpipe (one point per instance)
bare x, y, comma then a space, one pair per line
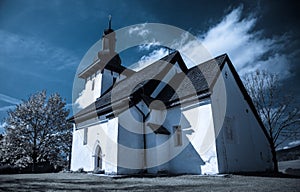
144, 117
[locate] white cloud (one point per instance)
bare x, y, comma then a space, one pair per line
5, 108
139, 30
247, 48
148, 45
14, 46
9, 99
69, 105
146, 60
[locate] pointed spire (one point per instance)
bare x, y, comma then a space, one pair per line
109, 22
109, 29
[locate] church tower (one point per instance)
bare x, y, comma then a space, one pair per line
108, 40
105, 71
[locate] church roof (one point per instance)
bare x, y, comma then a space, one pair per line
194, 84
189, 83
197, 80
100, 65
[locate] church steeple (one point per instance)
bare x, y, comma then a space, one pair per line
109, 22
109, 39
109, 58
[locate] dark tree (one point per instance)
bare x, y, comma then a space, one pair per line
37, 131
277, 110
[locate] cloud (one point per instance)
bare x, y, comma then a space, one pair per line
9, 99
139, 30
247, 48
148, 45
40, 53
69, 105
146, 60
5, 108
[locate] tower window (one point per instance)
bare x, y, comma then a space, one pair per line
178, 135
93, 84
85, 136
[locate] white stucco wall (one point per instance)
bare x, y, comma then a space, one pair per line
130, 139
97, 86
241, 143
102, 81
103, 134
198, 151
88, 96
158, 155
196, 155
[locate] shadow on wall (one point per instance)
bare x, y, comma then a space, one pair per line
188, 161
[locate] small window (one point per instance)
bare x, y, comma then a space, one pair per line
229, 133
85, 136
178, 135
93, 84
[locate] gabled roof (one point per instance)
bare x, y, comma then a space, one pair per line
135, 83
197, 81
188, 83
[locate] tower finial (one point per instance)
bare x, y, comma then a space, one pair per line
109, 22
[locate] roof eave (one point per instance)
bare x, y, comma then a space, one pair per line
87, 71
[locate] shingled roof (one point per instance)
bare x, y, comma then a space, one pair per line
189, 82
198, 80
112, 63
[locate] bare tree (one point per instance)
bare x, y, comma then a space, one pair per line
277, 111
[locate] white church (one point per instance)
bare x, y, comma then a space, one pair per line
166, 118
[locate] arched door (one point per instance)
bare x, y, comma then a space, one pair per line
98, 158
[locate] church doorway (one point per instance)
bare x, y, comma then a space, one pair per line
98, 158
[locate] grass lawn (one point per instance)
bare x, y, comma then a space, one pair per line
89, 182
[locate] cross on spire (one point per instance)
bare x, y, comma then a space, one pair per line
109, 22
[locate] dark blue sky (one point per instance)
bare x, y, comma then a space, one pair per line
43, 42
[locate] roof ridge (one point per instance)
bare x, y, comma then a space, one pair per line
207, 61
106, 98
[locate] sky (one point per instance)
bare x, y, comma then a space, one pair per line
43, 42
